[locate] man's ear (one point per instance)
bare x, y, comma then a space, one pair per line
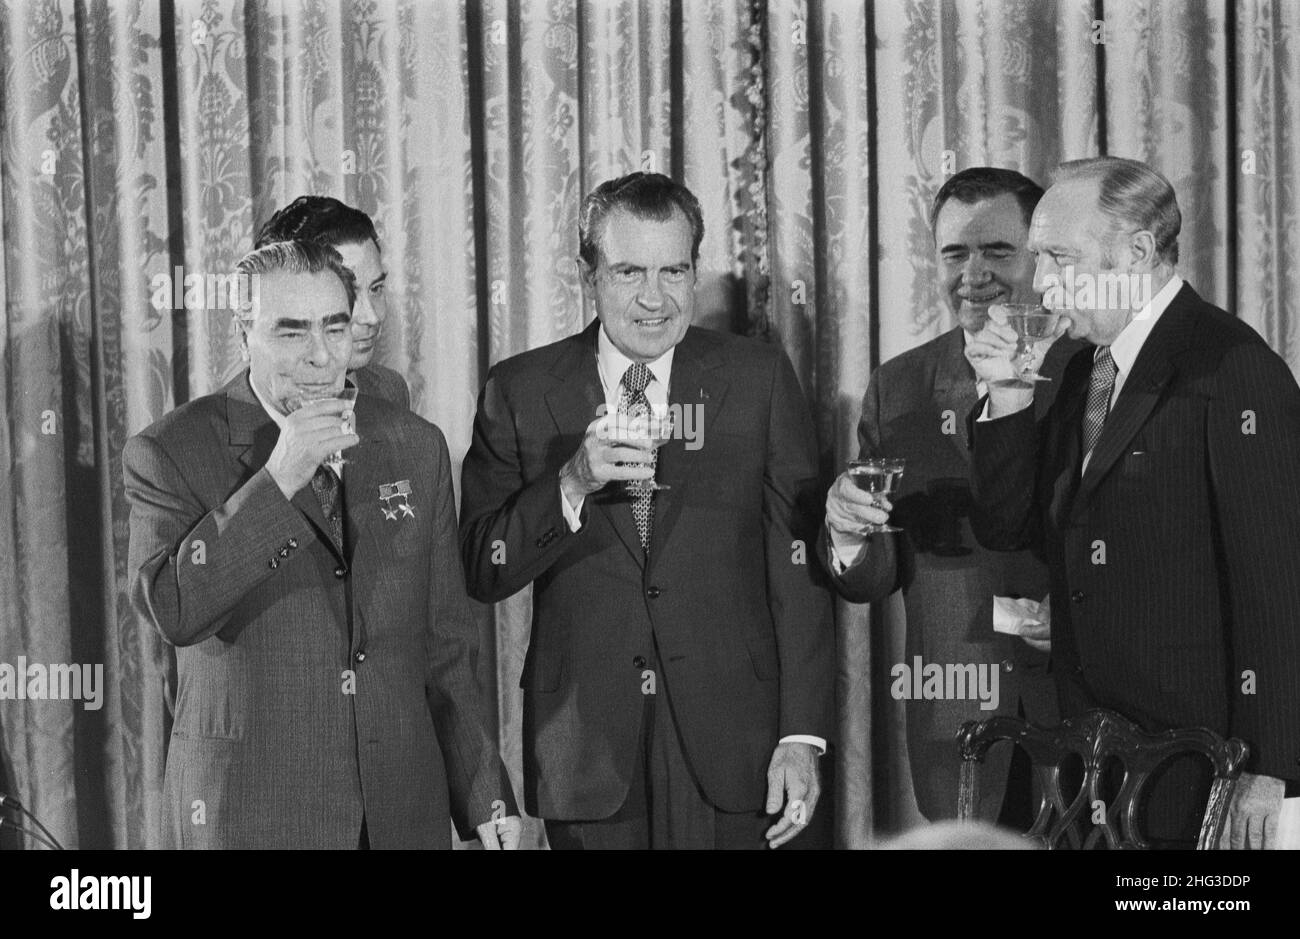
241, 328
1142, 250
587, 278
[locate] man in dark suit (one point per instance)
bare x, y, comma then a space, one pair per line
678, 685
1161, 486
325, 646
352, 234
953, 589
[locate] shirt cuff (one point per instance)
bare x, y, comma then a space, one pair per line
847, 549
571, 513
818, 742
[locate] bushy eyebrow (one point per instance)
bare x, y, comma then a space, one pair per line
987, 246
332, 320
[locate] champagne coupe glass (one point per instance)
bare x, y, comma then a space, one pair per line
879, 477
1032, 324
659, 429
348, 393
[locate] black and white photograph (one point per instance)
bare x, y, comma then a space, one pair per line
634, 425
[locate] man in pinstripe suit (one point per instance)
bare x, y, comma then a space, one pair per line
1162, 486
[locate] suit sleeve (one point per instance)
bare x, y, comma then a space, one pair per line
476, 777
875, 576
1254, 455
511, 530
190, 567
799, 603
1004, 473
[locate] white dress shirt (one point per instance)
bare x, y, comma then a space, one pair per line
1124, 350
612, 365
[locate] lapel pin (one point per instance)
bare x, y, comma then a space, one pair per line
400, 490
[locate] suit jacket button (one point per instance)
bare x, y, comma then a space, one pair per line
639, 661
1078, 669
360, 656
1008, 665
284, 552
1077, 596
653, 593
293, 542
340, 573
273, 564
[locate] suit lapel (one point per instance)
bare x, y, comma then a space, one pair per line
1141, 392
954, 388
253, 436
695, 395
574, 403
369, 466
1071, 401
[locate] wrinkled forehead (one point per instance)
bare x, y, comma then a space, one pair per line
312, 298
625, 238
1067, 214
982, 223
362, 258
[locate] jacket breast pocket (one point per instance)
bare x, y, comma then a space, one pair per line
1162, 466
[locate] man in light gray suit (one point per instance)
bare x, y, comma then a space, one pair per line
916, 408
325, 646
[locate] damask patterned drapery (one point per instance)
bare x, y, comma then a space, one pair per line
139, 138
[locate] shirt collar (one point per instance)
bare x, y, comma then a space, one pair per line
613, 364
271, 412
1124, 350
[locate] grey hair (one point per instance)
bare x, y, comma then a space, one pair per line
296, 257
1132, 195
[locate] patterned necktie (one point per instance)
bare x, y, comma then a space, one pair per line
328, 488
1099, 390
635, 404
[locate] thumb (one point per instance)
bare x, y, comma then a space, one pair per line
775, 792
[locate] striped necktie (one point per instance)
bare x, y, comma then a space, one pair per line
1100, 387
634, 404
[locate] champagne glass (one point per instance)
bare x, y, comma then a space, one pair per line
1032, 324
879, 477
347, 393
658, 428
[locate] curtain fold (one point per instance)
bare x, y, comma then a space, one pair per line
143, 142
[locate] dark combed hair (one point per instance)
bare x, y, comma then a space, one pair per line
977, 183
297, 257
645, 195
318, 218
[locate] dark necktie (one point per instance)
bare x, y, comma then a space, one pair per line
635, 404
328, 488
1099, 389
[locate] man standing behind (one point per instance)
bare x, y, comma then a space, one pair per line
352, 234
1162, 487
916, 407
326, 650
678, 686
